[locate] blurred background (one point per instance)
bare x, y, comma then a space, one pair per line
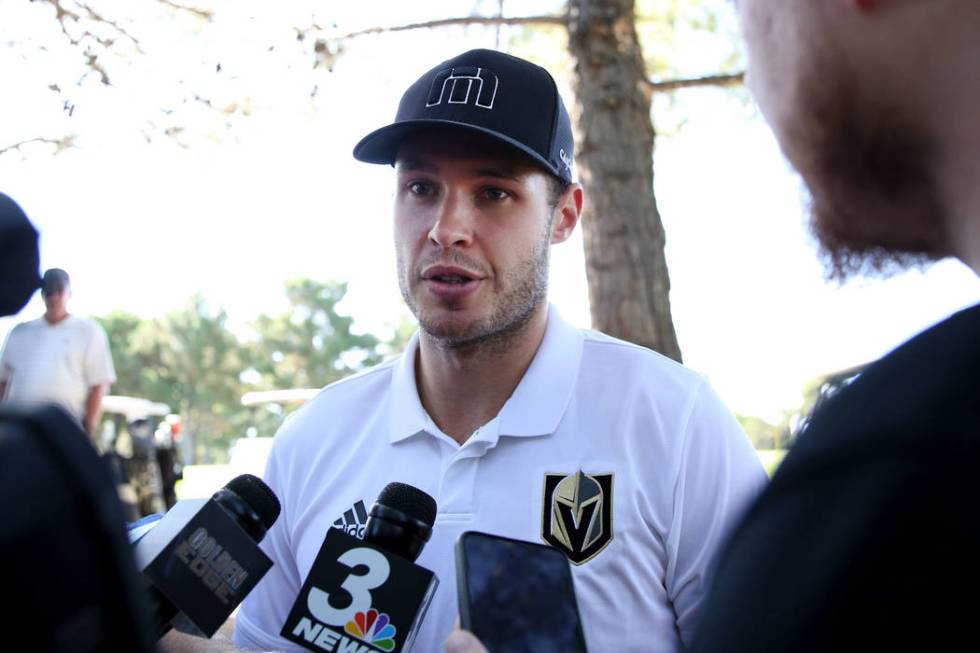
188, 163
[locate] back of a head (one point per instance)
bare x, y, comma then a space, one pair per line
19, 257
69, 576
869, 102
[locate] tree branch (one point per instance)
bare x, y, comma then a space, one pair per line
62, 13
200, 13
651, 86
76, 14
669, 85
465, 20
59, 144
111, 23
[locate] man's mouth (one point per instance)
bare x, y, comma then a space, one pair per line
450, 278
450, 283
449, 275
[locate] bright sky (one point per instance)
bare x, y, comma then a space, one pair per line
141, 226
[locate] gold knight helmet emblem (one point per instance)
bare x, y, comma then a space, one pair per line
579, 492
578, 514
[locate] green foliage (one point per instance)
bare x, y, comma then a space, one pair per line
700, 33
310, 345
763, 434
401, 333
136, 347
129, 359
681, 39
770, 459
202, 359
818, 390
545, 45
190, 360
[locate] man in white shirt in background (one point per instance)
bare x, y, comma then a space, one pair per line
58, 358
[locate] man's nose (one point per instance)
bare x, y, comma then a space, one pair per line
453, 225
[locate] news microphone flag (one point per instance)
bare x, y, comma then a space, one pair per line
361, 597
202, 557
376, 610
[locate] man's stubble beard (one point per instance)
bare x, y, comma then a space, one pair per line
526, 288
868, 165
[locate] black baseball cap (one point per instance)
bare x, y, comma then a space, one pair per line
507, 98
54, 280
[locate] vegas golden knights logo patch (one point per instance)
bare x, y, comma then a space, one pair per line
577, 514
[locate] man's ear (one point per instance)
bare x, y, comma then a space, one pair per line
568, 211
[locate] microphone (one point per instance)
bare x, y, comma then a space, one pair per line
401, 520
201, 558
136, 530
367, 595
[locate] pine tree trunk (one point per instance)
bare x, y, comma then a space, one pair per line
629, 285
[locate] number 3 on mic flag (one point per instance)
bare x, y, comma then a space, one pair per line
359, 599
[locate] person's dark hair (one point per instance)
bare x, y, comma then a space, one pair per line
556, 187
54, 280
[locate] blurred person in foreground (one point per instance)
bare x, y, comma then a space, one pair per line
515, 421
868, 536
58, 358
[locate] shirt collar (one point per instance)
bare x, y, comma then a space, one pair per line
540, 399
407, 416
538, 402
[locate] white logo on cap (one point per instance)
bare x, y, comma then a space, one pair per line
482, 84
567, 160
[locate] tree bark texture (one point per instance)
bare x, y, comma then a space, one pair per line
629, 285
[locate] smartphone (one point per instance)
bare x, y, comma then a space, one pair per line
517, 596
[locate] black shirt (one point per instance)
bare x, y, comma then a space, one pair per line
868, 536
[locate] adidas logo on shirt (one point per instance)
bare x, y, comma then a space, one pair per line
353, 520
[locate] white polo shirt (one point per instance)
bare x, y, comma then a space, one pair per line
56, 363
674, 466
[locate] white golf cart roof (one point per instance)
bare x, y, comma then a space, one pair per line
133, 407
295, 395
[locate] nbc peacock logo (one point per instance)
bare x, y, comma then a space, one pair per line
373, 628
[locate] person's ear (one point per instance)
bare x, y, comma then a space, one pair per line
567, 213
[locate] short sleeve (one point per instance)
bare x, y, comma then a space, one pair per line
6, 357
719, 475
98, 358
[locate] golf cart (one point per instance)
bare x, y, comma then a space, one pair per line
140, 438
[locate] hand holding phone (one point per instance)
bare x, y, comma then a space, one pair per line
517, 596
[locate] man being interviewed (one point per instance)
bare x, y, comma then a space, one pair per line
498, 408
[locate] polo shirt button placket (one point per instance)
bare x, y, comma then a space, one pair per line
458, 483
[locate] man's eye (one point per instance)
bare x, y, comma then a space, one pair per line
420, 188
496, 194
